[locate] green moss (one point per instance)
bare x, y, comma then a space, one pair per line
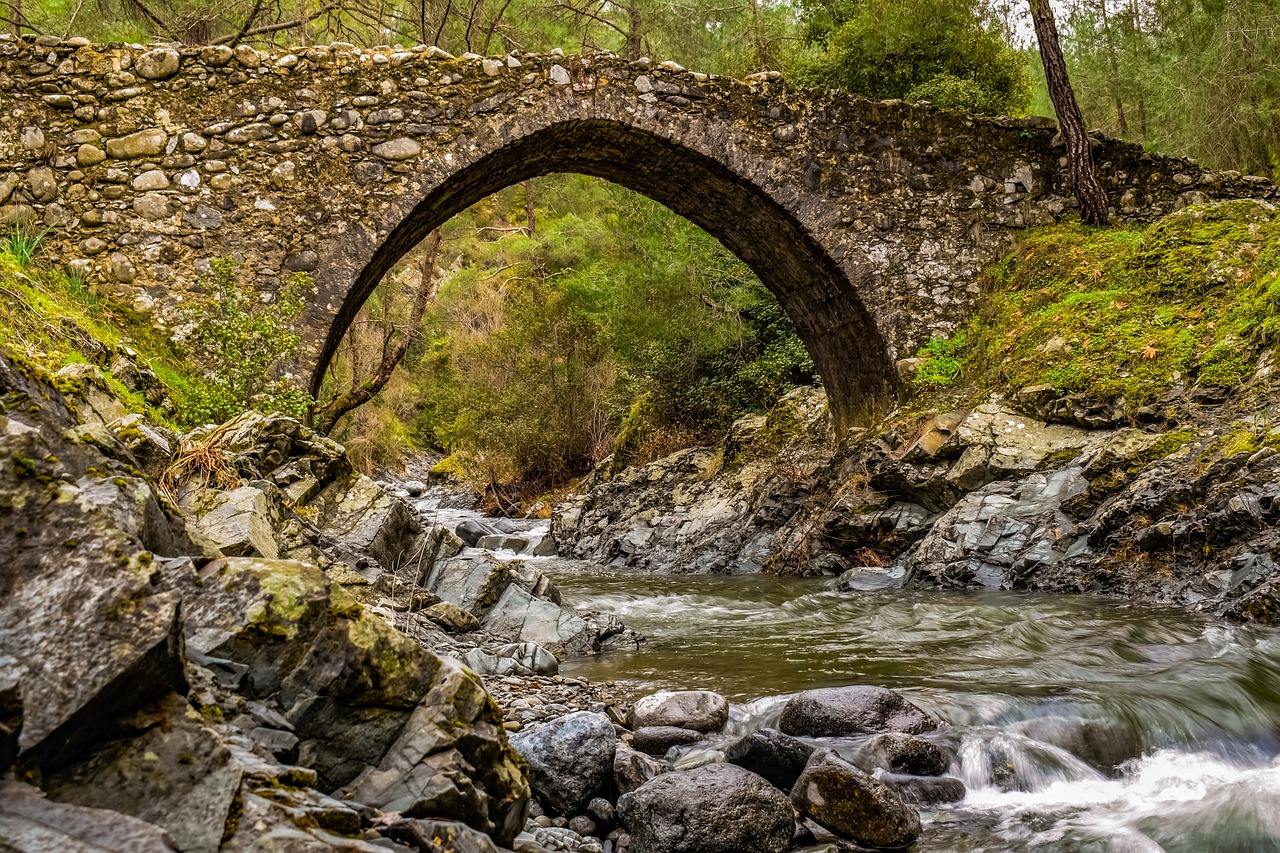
23, 466
1120, 312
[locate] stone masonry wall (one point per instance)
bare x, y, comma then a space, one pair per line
869, 220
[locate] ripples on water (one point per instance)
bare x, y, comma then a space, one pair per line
1190, 705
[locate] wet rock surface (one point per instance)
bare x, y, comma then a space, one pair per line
859, 709
720, 808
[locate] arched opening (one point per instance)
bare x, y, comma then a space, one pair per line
814, 292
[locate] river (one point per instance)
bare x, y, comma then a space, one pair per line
1187, 706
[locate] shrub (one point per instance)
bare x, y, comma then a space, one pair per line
242, 344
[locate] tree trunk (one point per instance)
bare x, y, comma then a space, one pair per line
1093, 201
1122, 122
326, 417
634, 48
530, 220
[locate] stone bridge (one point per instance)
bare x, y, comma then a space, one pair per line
868, 220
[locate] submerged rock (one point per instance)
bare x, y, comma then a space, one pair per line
719, 808
858, 709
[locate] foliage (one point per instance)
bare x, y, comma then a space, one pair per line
1117, 312
1190, 77
629, 332
242, 344
22, 245
949, 53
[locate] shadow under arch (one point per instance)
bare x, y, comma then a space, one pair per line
837, 329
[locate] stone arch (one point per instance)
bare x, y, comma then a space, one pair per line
813, 290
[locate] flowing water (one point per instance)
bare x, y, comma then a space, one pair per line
1176, 716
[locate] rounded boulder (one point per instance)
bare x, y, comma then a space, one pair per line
719, 808
841, 711
699, 710
569, 759
854, 805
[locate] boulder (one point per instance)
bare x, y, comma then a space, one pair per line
858, 709
569, 759
237, 523
451, 617
88, 394
472, 530
853, 805
719, 808
768, 753
656, 740
901, 753
451, 760
700, 710
81, 610
372, 708
530, 657
503, 542
178, 776
632, 768
365, 519
29, 823
924, 791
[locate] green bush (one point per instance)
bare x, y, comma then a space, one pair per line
949, 53
242, 344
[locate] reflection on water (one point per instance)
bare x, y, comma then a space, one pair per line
1080, 724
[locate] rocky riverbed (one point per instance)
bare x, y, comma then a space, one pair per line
231, 640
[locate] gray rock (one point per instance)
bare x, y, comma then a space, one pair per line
373, 710
925, 791
368, 520
872, 578
238, 523
29, 823
204, 218
859, 709
700, 710
569, 759
632, 768
503, 542
531, 658
768, 753
656, 740
159, 64
902, 753
109, 641
177, 776
853, 805
472, 530
719, 808
451, 617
